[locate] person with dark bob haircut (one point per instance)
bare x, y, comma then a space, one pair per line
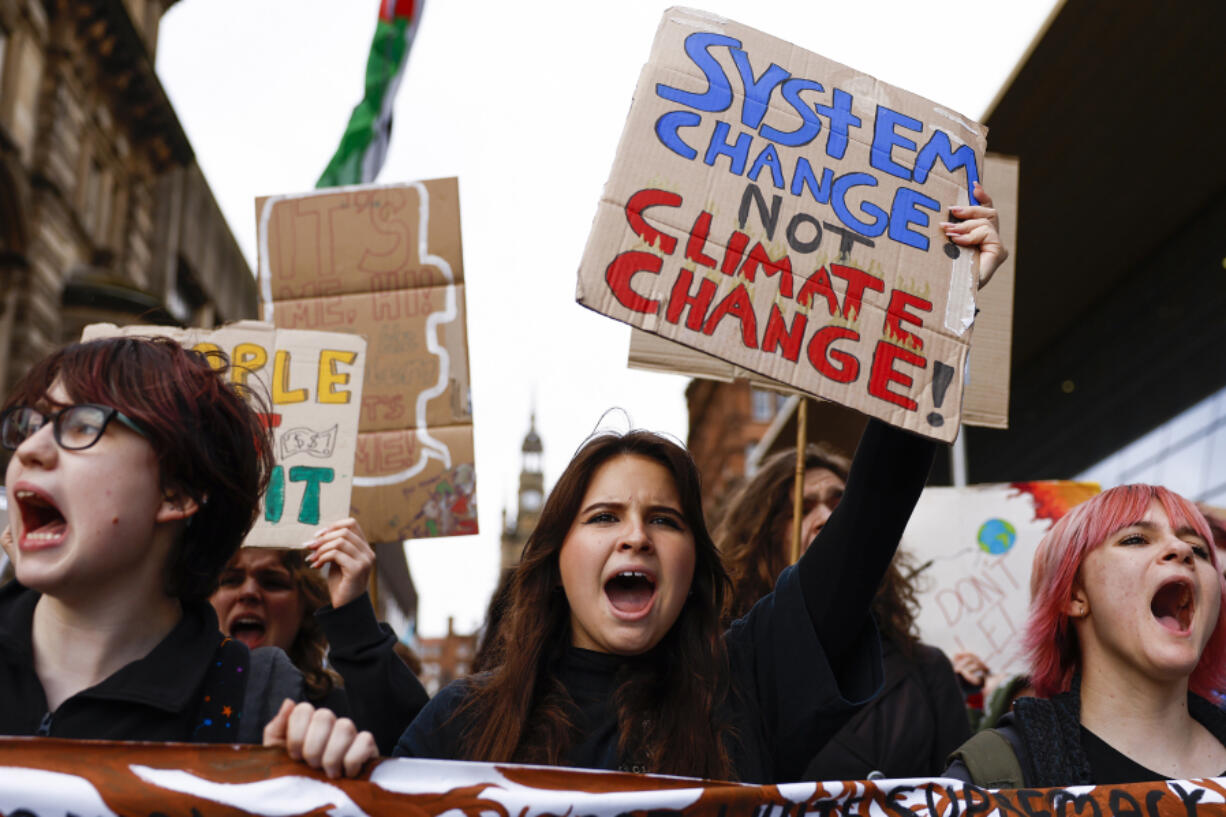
137, 469
1126, 637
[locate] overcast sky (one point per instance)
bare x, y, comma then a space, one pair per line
524, 102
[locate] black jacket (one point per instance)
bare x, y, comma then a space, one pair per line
908, 730
1049, 742
158, 697
381, 694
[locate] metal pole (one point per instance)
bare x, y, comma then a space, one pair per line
798, 488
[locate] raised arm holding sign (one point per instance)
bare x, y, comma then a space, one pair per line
796, 218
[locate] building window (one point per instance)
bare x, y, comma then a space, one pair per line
763, 405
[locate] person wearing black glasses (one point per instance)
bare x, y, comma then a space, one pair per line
136, 471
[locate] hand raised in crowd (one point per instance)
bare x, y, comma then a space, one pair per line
6, 541
320, 739
971, 669
343, 545
978, 228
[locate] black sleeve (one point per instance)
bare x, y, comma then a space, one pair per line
842, 568
383, 694
436, 731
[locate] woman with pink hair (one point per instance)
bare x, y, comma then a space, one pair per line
1125, 637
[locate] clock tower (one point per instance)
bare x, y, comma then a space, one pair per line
531, 498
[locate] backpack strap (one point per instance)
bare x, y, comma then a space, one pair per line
991, 760
221, 696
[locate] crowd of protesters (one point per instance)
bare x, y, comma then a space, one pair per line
629, 637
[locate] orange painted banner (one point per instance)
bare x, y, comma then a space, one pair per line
44, 776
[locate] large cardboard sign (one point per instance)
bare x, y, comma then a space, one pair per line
781, 211
41, 777
976, 546
386, 263
985, 399
312, 384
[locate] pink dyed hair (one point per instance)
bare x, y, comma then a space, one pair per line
1050, 640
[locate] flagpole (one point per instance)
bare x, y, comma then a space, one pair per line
798, 488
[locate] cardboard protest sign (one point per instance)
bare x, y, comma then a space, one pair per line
985, 399
386, 263
780, 211
52, 776
312, 383
976, 546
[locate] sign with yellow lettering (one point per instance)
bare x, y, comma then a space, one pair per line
309, 389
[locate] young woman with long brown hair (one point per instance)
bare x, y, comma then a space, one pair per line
612, 649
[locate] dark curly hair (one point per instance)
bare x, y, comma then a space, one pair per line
752, 533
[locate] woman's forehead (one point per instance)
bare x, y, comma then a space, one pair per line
629, 476
253, 558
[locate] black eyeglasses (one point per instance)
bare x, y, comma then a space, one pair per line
75, 427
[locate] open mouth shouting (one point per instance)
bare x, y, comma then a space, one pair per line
1173, 606
42, 523
249, 628
631, 593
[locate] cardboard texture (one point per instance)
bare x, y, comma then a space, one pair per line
780, 211
386, 263
312, 382
985, 401
978, 546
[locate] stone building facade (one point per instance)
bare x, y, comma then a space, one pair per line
104, 213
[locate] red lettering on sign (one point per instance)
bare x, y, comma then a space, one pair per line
623, 268
758, 257
857, 281
698, 303
639, 202
819, 284
897, 313
698, 240
884, 373
737, 243
738, 304
824, 358
778, 333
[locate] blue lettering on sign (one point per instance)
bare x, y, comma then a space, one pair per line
894, 148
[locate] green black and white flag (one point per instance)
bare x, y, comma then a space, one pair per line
364, 144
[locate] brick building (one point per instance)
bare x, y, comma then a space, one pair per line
445, 659
104, 213
727, 421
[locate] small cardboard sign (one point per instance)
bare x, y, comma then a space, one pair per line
781, 211
975, 547
312, 383
385, 262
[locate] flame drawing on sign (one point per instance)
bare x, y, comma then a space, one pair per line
431, 448
1053, 500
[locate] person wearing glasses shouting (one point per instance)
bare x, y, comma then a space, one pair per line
136, 471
